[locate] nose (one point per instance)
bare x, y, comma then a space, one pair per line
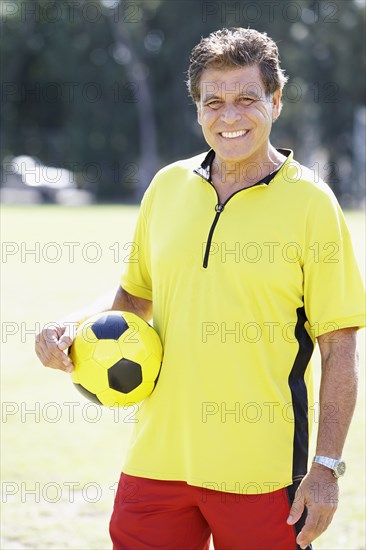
230, 114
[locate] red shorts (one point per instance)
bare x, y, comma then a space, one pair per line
172, 515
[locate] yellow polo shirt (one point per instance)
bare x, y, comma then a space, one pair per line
240, 292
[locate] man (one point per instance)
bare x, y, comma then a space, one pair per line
244, 261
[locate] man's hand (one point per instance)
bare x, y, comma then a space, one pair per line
52, 342
50, 347
319, 492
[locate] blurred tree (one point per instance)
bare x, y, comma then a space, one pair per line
137, 73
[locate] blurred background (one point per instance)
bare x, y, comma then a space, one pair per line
94, 101
96, 89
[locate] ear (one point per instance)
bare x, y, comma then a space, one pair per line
199, 113
276, 104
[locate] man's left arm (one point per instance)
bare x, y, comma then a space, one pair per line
318, 490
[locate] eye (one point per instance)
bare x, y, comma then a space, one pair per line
214, 103
247, 101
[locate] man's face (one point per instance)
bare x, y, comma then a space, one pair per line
235, 114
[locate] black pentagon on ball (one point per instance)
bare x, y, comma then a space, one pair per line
125, 376
109, 327
88, 394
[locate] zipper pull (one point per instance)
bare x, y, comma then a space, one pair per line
219, 207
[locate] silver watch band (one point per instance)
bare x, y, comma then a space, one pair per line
326, 461
338, 467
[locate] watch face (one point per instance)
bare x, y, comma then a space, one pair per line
340, 469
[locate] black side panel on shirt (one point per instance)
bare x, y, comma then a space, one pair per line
300, 405
300, 397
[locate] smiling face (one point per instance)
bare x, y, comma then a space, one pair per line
236, 115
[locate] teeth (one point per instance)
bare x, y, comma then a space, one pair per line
234, 134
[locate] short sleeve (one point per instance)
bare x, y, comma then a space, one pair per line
333, 289
136, 278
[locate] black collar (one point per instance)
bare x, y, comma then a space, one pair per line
204, 170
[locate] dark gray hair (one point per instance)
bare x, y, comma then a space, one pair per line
232, 48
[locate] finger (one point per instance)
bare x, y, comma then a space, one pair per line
64, 342
63, 345
309, 532
57, 332
296, 510
51, 335
57, 344
60, 360
50, 355
68, 364
316, 523
49, 360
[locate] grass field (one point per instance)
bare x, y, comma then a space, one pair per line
61, 455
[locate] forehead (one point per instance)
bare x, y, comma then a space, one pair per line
219, 82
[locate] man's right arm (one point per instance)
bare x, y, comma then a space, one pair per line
51, 343
123, 301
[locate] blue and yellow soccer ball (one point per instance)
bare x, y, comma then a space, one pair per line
117, 358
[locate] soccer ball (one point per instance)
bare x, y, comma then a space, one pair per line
117, 358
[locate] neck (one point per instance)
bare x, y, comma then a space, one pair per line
245, 173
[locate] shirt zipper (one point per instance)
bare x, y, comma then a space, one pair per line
220, 206
219, 209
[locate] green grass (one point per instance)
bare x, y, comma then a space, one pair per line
49, 451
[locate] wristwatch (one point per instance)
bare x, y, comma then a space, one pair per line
338, 467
